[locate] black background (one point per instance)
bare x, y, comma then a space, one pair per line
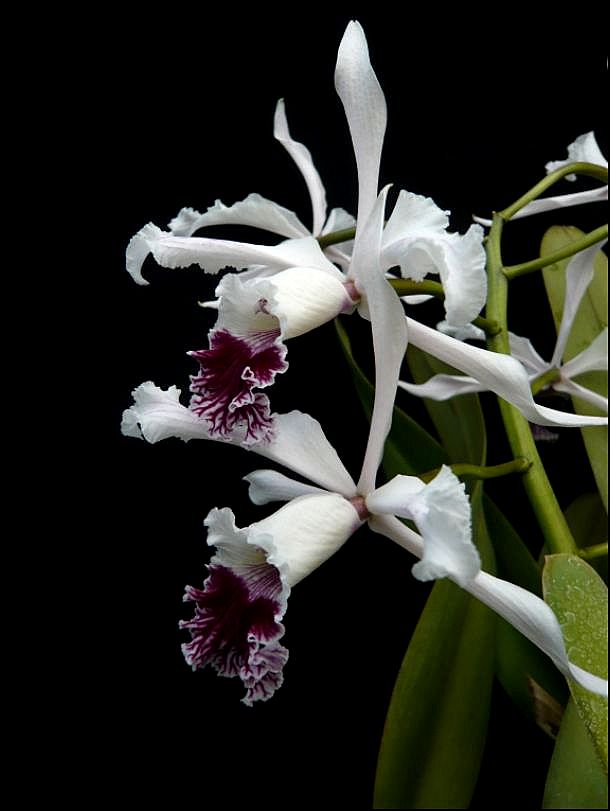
176, 109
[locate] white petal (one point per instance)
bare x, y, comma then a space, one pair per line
596, 195
535, 620
416, 299
139, 248
255, 211
389, 337
302, 157
304, 533
365, 109
499, 373
232, 547
339, 220
269, 485
579, 274
585, 149
299, 443
442, 514
442, 387
394, 497
239, 307
215, 254
466, 333
304, 298
592, 359
158, 414
523, 350
574, 390
416, 239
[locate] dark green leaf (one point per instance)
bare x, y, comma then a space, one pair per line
575, 778
579, 598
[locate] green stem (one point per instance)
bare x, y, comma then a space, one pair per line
544, 380
598, 550
588, 169
538, 488
512, 271
336, 236
406, 287
467, 471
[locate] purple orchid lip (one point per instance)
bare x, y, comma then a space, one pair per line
230, 370
236, 629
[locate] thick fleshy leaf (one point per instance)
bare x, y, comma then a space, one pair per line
588, 524
500, 373
436, 725
589, 322
575, 778
302, 157
366, 113
579, 599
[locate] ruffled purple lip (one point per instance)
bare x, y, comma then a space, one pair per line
229, 372
235, 628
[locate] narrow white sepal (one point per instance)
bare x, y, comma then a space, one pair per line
443, 387
302, 157
499, 373
394, 497
269, 485
592, 359
365, 109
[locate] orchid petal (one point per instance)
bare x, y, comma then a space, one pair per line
583, 149
497, 372
215, 254
302, 157
532, 617
467, 332
442, 387
442, 514
523, 350
339, 220
389, 337
579, 274
304, 533
394, 497
592, 359
299, 443
412, 216
158, 414
269, 485
365, 109
597, 195
255, 211
416, 298
575, 390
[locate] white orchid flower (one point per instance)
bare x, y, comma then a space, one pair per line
511, 376
583, 150
291, 288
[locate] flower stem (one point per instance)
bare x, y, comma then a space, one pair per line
336, 236
512, 271
544, 380
598, 550
537, 486
467, 471
588, 169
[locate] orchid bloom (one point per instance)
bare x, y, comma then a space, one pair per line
291, 288
511, 377
237, 625
583, 150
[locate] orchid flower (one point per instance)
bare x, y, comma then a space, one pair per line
584, 149
511, 377
291, 288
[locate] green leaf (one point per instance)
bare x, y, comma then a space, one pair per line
436, 725
590, 320
588, 523
575, 778
579, 598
